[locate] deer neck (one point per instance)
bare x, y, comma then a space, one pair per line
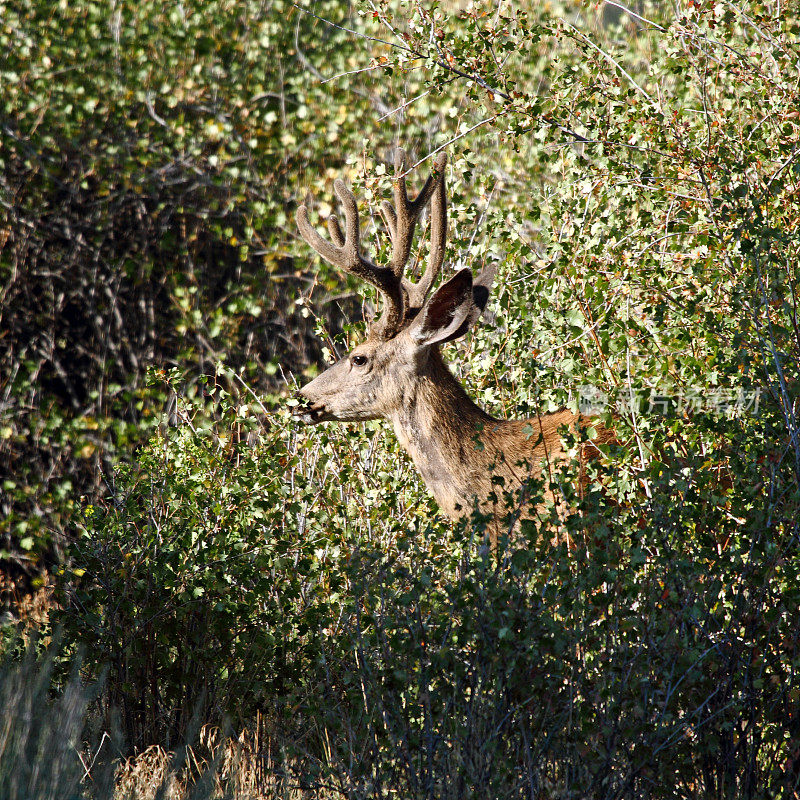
448, 437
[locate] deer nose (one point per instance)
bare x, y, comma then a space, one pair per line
299, 404
304, 411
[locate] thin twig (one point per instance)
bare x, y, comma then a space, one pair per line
633, 14
357, 71
404, 105
610, 58
351, 31
448, 143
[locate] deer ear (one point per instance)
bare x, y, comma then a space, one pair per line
452, 308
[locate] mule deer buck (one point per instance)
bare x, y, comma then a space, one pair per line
398, 373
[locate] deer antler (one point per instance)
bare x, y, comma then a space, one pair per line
400, 294
345, 253
401, 222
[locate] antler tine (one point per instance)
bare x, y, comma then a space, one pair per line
344, 252
335, 230
389, 218
402, 219
417, 292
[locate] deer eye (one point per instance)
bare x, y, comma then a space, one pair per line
358, 361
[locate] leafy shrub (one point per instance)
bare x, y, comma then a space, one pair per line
661, 269
640, 181
193, 567
403, 657
135, 148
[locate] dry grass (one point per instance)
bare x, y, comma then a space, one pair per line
148, 776
219, 766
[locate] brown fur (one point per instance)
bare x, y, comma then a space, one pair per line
458, 448
455, 445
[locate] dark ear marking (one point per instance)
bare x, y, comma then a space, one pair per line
482, 287
453, 308
448, 298
445, 311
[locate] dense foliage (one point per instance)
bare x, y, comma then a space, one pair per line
144, 155
638, 175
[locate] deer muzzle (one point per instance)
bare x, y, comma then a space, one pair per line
307, 412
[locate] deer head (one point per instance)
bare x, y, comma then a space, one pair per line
379, 376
